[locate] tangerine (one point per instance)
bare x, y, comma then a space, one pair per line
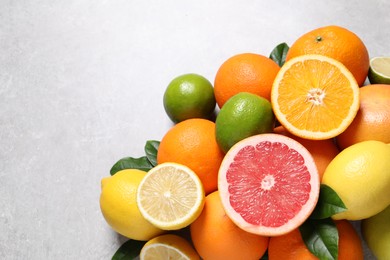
246, 72
338, 43
216, 237
192, 143
291, 245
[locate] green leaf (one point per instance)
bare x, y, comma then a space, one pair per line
129, 250
141, 163
279, 53
151, 148
321, 238
329, 203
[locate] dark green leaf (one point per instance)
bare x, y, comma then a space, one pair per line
141, 163
329, 203
279, 53
128, 250
151, 149
321, 238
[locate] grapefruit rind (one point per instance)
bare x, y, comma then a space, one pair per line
292, 223
308, 133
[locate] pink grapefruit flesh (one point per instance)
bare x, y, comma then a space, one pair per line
269, 184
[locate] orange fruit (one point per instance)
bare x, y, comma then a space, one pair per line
269, 184
291, 245
323, 151
315, 97
216, 237
246, 72
192, 143
338, 43
372, 121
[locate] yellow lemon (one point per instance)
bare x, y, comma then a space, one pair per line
119, 207
360, 175
168, 246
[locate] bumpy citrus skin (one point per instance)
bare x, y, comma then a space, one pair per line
376, 232
243, 115
338, 43
360, 175
119, 207
189, 96
379, 70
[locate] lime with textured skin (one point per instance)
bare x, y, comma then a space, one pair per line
243, 115
376, 233
379, 71
189, 96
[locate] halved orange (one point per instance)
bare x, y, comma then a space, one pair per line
315, 97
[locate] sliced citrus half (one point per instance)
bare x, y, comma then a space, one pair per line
168, 246
379, 72
315, 97
269, 184
170, 196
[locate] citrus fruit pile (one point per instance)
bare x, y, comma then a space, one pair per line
275, 160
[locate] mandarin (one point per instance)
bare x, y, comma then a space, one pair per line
323, 151
372, 121
291, 245
216, 237
246, 72
338, 43
192, 143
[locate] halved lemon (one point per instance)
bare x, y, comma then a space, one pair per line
315, 97
168, 246
170, 196
379, 72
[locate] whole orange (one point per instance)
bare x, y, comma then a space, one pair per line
216, 237
372, 121
323, 151
338, 43
192, 142
291, 245
246, 72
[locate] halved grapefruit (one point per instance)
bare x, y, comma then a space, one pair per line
269, 184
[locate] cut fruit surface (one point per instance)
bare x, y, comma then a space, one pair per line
315, 97
269, 184
168, 247
171, 196
379, 72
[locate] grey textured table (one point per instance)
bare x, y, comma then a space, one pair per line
81, 85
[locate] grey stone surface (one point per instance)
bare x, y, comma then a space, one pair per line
81, 85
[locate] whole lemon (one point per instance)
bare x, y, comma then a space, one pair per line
243, 115
119, 207
360, 175
376, 232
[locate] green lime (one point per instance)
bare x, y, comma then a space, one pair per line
243, 115
379, 72
189, 96
376, 232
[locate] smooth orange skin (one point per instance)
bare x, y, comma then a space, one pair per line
216, 237
246, 72
292, 247
372, 121
338, 43
192, 143
323, 151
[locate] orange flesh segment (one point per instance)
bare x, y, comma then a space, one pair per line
322, 96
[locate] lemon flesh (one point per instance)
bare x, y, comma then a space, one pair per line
360, 175
171, 196
379, 72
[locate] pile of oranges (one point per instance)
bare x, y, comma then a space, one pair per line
195, 140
